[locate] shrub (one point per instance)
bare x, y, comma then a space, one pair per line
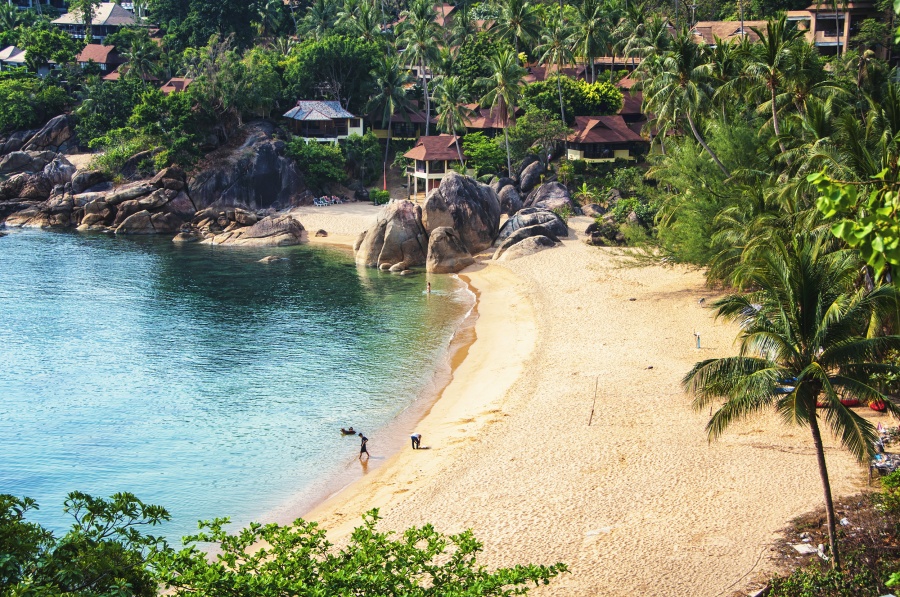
28, 103
321, 162
379, 197
853, 581
483, 153
564, 212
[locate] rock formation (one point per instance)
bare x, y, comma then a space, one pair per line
396, 239
520, 235
468, 206
550, 195
530, 217
256, 175
531, 176
529, 246
271, 231
56, 136
446, 252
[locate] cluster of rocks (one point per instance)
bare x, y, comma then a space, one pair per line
56, 136
460, 218
531, 187
239, 227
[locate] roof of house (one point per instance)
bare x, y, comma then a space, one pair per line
627, 82
537, 72
412, 116
318, 110
107, 13
12, 54
631, 103
175, 85
602, 129
443, 12
99, 54
829, 7
120, 72
725, 30
435, 147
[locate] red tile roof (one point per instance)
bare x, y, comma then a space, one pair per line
175, 85
631, 103
99, 54
602, 129
436, 147
537, 73
707, 31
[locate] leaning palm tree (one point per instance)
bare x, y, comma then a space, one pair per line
504, 87
807, 341
767, 66
391, 82
555, 49
451, 97
678, 87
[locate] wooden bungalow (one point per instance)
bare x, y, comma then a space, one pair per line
434, 157
323, 121
109, 17
604, 139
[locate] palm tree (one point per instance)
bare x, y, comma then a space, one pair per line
271, 17
806, 339
10, 17
518, 21
419, 38
462, 27
504, 89
391, 81
363, 22
678, 87
588, 33
451, 97
555, 50
768, 64
142, 58
319, 18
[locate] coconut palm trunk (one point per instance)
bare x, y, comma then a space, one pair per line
826, 486
775, 118
562, 109
387, 151
506, 139
427, 99
704, 145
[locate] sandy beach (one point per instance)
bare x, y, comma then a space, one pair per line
564, 435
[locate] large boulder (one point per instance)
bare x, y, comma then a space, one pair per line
499, 183
257, 175
15, 141
137, 223
529, 246
531, 176
510, 200
271, 231
446, 252
527, 161
468, 206
550, 195
25, 161
37, 186
520, 235
531, 217
57, 136
129, 192
396, 237
58, 171
82, 180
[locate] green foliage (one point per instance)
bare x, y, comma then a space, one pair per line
174, 121
483, 154
322, 163
107, 105
866, 221
190, 23
645, 211
538, 132
45, 44
27, 103
105, 553
117, 147
298, 559
815, 582
379, 196
473, 60
363, 155
580, 98
338, 67
564, 212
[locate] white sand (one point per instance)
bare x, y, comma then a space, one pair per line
343, 222
632, 498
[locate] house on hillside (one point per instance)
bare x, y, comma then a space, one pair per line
486, 120
106, 57
434, 156
109, 17
323, 121
408, 127
604, 139
12, 57
175, 85
827, 29
122, 70
706, 32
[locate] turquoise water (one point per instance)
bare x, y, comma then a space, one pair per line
196, 377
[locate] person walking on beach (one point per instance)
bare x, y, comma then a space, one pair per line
416, 440
363, 440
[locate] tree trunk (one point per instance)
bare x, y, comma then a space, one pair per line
427, 103
705, 146
826, 486
508, 159
612, 67
387, 149
837, 28
562, 109
775, 118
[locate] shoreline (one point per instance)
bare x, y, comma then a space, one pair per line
517, 458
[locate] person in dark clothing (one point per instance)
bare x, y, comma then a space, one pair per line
416, 440
363, 440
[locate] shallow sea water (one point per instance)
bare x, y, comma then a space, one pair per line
196, 377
